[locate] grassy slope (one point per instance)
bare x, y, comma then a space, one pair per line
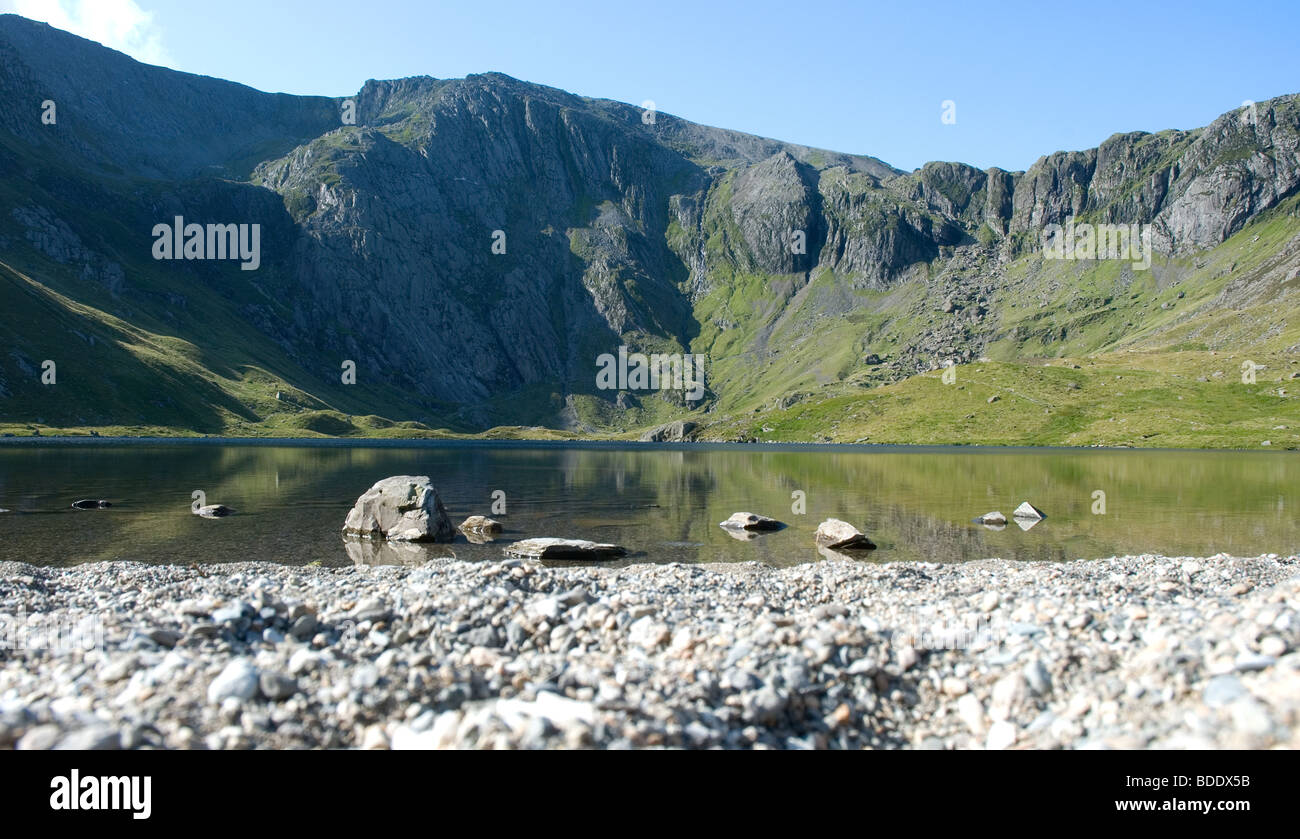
1146, 375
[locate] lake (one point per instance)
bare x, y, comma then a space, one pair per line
662, 503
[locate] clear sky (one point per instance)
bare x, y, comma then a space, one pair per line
1027, 78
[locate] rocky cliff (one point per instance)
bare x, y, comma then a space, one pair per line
473, 245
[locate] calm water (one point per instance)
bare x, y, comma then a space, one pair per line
664, 505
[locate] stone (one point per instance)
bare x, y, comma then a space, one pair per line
403, 508
239, 681
91, 738
1223, 690
549, 547
481, 525
276, 686
1029, 511
483, 636
91, 504
39, 738
304, 627
993, 517
214, 511
750, 521
1037, 678
648, 633
971, 712
1002, 734
839, 535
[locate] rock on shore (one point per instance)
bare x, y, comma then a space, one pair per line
1133, 652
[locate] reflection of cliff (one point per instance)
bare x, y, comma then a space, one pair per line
662, 505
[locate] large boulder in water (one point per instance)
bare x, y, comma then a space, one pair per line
403, 508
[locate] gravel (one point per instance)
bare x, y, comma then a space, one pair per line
1128, 652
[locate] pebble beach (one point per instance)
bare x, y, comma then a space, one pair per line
1126, 652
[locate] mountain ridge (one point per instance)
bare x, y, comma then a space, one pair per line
662, 235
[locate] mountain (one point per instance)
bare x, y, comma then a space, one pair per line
471, 248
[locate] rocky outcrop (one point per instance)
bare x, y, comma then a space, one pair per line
403, 508
678, 431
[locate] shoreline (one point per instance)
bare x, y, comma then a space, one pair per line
1122, 652
544, 443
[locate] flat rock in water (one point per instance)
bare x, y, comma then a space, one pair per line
403, 508
842, 536
214, 511
548, 547
1029, 511
91, 504
994, 517
750, 521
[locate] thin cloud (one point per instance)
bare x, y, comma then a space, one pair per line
119, 24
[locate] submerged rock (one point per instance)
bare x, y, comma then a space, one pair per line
214, 511
403, 508
841, 536
549, 547
91, 504
751, 521
1029, 511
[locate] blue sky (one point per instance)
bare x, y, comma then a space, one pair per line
1027, 78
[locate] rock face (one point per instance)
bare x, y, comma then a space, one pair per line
620, 231
403, 508
672, 432
837, 535
548, 547
750, 521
